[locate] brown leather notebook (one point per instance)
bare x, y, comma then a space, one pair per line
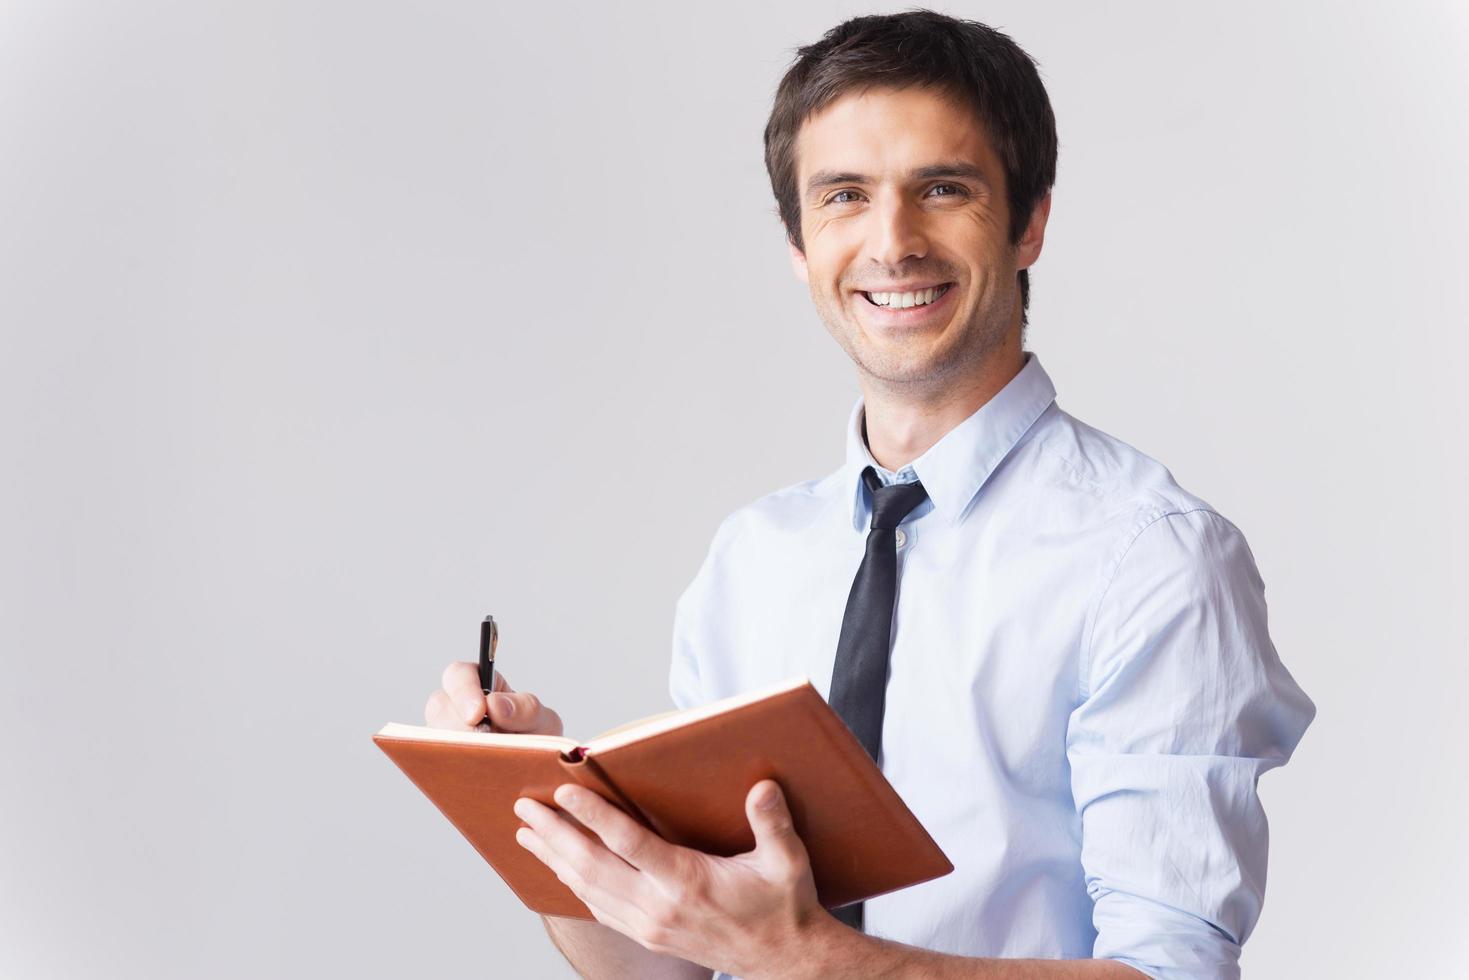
685, 775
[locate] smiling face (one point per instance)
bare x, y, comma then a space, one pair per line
904, 227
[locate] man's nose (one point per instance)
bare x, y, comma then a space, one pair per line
897, 234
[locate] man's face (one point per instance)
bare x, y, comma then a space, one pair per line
901, 193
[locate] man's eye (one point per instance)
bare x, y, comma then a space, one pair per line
838, 199
954, 190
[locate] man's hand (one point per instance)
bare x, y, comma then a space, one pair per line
461, 705
748, 915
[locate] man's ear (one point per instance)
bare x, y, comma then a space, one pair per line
798, 261
1029, 248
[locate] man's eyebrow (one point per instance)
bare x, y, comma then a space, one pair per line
957, 169
828, 178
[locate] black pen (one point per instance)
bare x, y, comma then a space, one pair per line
489, 638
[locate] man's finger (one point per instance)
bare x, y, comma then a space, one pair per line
461, 683
624, 836
775, 834
605, 879
531, 841
440, 712
522, 712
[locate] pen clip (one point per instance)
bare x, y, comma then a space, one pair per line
489, 639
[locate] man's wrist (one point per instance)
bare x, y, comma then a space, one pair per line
823, 949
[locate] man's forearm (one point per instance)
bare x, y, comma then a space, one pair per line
599, 952
837, 951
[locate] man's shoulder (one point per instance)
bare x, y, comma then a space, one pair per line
1124, 502
1110, 474
790, 510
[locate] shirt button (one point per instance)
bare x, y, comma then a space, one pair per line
902, 538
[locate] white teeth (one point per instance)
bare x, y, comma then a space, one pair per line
900, 301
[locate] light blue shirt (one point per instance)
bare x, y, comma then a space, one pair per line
1082, 691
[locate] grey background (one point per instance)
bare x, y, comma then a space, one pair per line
328, 327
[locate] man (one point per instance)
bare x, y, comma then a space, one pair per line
1076, 692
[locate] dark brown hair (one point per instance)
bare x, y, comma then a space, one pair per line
977, 65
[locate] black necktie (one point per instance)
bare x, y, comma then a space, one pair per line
860, 676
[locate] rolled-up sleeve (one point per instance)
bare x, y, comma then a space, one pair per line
1184, 704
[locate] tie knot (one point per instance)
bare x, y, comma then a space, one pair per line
892, 503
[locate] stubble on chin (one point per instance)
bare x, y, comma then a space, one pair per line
919, 366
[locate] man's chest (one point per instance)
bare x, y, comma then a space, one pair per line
986, 630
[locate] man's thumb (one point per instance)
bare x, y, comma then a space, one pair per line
770, 819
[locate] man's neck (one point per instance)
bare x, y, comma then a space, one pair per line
901, 426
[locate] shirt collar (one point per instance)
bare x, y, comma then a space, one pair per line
954, 468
